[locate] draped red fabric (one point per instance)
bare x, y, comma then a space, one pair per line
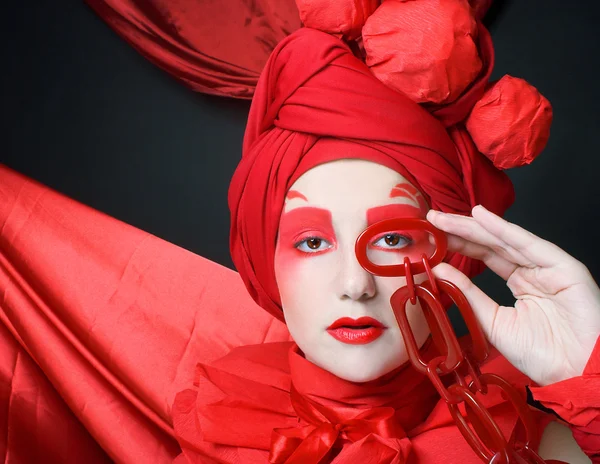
36, 424
101, 324
212, 46
317, 102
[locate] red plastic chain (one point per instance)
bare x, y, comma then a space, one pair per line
478, 427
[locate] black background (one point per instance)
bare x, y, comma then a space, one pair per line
87, 115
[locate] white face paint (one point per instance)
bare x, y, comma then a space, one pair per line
320, 279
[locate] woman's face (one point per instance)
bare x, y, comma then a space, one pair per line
320, 280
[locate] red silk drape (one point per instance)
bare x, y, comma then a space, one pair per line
101, 324
212, 46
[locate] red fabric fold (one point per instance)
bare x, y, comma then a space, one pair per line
577, 402
314, 442
36, 424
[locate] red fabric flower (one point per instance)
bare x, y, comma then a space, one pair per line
511, 123
342, 17
425, 49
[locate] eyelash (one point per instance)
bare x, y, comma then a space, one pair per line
298, 244
406, 238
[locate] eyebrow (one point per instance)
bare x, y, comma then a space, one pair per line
379, 213
295, 194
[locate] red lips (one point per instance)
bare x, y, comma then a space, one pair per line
354, 323
356, 331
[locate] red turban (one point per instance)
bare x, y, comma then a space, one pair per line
316, 102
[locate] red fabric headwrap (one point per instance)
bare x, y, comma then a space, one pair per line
315, 98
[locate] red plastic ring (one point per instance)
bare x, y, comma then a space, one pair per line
397, 270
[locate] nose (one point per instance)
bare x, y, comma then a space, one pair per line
355, 283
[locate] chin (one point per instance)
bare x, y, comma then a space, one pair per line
357, 376
358, 369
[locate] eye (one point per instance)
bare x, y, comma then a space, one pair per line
313, 245
392, 241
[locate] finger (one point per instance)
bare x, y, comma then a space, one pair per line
483, 306
469, 229
537, 250
499, 265
463, 226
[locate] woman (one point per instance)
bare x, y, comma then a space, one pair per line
398, 141
310, 181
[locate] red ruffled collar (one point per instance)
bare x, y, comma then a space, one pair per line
267, 403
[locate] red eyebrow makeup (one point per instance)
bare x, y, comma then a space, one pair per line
379, 213
301, 223
408, 191
404, 190
295, 194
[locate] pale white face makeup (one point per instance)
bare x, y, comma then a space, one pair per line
320, 279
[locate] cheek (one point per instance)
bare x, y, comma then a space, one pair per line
288, 264
304, 287
299, 273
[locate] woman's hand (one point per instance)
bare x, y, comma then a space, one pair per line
551, 331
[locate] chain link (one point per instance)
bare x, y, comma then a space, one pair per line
483, 434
